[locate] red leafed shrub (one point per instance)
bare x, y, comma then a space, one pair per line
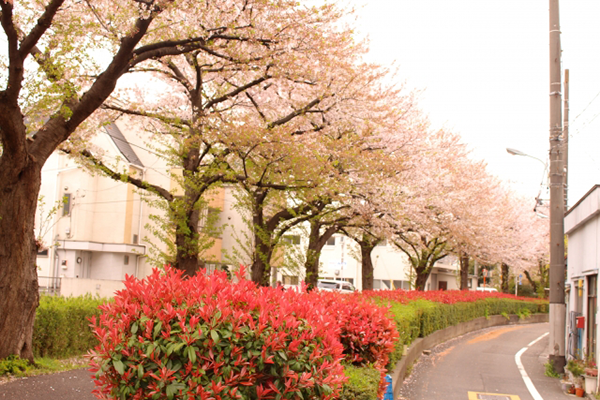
165, 337
366, 332
439, 296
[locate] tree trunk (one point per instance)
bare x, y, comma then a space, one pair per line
263, 249
187, 258
18, 272
504, 285
313, 253
316, 241
464, 271
366, 248
422, 273
533, 283
261, 268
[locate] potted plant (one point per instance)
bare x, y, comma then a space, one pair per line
576, 369
590, 375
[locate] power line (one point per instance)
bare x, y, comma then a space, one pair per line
586, 107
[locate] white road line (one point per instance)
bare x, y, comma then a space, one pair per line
534, 393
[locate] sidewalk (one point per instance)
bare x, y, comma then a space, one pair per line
69, 385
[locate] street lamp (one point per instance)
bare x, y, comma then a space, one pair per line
516, 152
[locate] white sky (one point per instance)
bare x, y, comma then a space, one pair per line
484, 69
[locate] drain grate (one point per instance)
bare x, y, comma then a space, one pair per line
485, 396
491, 396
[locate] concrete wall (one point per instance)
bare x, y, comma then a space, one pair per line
96, 287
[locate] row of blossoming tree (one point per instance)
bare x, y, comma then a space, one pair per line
272, 96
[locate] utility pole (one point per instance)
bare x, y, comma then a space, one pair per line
565, 138
557, 210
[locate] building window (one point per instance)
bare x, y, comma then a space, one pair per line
42, 252
135, 239
66, 204
290, 280
292, 239
331, 241
126, 260
209, 220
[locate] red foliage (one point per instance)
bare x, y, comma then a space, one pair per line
366, 332
208, 338
439, 296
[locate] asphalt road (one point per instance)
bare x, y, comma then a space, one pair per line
483, 362
70, 385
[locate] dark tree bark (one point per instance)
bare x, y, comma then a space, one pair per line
316, 242
367, 265
505, 272
422, 271
187, 258
532, 282
464, 271
21, 162
268, 231
422, 255
18, 272
367, 243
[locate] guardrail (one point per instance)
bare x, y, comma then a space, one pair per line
49, 285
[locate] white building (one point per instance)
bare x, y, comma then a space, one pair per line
96, 233
582, 226
95, 230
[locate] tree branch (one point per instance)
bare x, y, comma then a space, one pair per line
43, 23
165, 194
294, 114
237, 91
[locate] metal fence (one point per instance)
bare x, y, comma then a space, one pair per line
49, 285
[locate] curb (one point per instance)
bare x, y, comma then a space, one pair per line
416, 348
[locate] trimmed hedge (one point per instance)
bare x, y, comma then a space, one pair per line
62, 327
362, 383
435, 317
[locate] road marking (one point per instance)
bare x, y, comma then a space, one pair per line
495, 333
492, 396
534, 393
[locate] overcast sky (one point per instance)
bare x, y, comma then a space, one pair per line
484, 69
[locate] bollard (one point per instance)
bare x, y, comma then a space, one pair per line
389, 392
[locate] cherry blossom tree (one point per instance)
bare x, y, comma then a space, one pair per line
322, 160
241, 116
63, 60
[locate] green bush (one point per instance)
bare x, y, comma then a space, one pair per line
436, 316
407, 318
62, 328
362, 383
13, 365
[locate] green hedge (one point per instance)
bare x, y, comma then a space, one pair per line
362, 383
62, 328
435, 316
